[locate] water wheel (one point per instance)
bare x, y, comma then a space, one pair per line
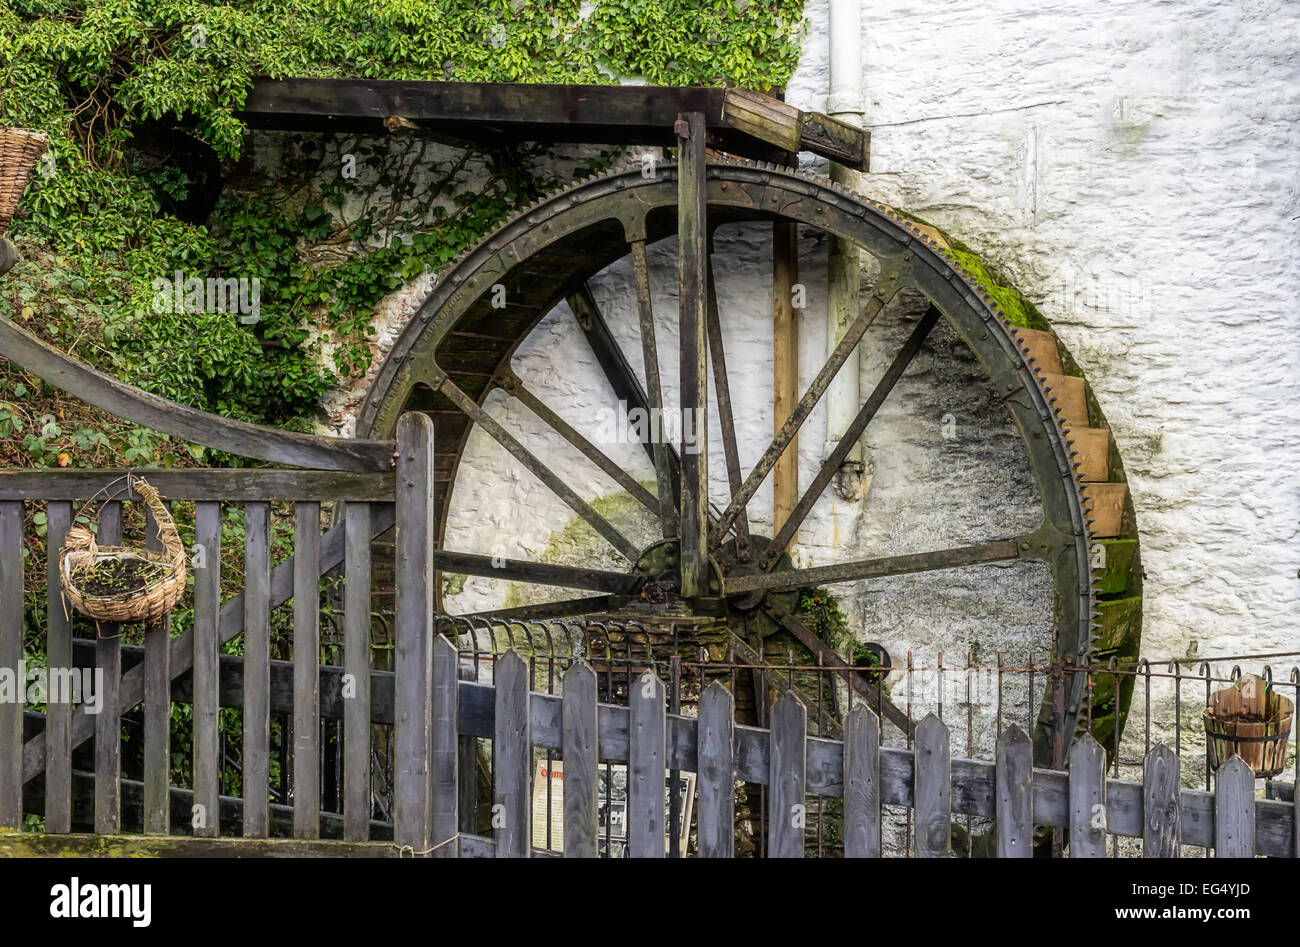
702, 553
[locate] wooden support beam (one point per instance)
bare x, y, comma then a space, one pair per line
785, 366
736, 120
692, 278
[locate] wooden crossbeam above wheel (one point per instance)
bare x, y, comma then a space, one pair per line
736, 120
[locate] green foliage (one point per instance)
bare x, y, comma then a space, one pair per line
101, 76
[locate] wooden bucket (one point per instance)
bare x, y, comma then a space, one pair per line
1251, 720
20, 150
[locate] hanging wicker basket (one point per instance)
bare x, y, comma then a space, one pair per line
1252, 720
20, 150
82, 557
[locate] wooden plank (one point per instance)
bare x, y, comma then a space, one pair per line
647, 755
356, 665
742, 122
257, 669
716, 835
108, 722
1105, 502
1087, 798
200, 427
467, 768
11, 660
1014, 769
1161, 814
862, 783
446, 748
413, 632
207, 604
1041, 349
1068, 395
306, 669
156, 692
933, 804
1115, 566
36, 845
692, 279
58, 657
841, 142
512, 741
1234, 810
1090, 452
763, 117
581, 780
235, 485
785, 366
787, 809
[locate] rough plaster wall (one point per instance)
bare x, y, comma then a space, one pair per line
1133, 166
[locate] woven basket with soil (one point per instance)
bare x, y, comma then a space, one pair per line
20, 150
122, 584
1252, 720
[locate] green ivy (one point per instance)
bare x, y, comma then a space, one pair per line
96, 75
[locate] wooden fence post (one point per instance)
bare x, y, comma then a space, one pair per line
932, 791
58, 656
716, 836
306, 669
11, 662
157, 693
787, 778
1161, 815
1234, 810
1014, 769
257, 669
205, 815
1087, 798
108, 722
356, 660
446, 747
512, 738
580, 750
862, 783
646, 777
413, 633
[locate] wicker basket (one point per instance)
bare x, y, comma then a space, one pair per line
20, 150
1251, 720
148, 605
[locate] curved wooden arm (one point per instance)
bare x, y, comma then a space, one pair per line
199, 427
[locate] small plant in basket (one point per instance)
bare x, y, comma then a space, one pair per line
122, 584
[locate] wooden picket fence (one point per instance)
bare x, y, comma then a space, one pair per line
792, 766
437, 716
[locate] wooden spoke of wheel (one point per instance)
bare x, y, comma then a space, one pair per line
609, 356
726, 418
996, 551
510, 383
860, 683
654, 391
535, 573
887, 286
543, 473
560, 609
850, 437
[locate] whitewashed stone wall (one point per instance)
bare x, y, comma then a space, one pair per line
1135, 167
